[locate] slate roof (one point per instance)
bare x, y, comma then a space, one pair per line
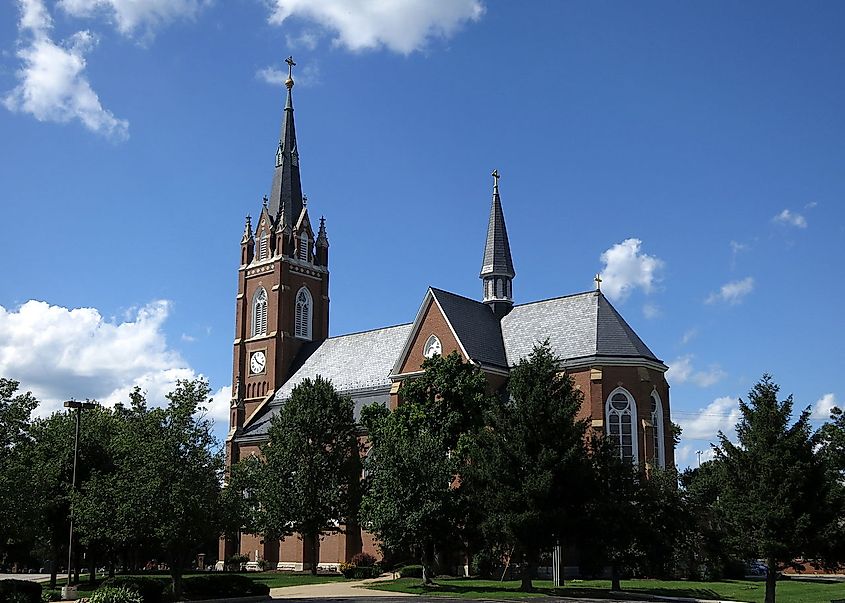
577, 326
357, 364
476, 327
497, 249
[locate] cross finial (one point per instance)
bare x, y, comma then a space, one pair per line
495, 175
598, 282
264, 201
291, 65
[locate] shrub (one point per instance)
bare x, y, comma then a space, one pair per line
363, 560
355, 572
49, 596
411, 571
19, 591
151, 590
219, 586
115, 594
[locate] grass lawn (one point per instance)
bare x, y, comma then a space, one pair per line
271, 579
788, 591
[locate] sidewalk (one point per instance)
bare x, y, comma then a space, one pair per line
336, 590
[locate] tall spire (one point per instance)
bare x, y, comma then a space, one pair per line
497, 267
286, 191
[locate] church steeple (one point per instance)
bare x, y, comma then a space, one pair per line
497, 271
286, 191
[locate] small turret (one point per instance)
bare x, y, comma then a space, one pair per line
497, 271
247, 243
322, 244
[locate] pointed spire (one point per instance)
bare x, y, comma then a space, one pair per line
247, 230
497, 267
322, 237
286, 190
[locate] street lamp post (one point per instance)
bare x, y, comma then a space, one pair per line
69, 592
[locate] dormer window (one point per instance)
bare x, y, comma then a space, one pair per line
432, 347
303, 247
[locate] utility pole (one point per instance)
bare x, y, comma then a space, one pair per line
69, 592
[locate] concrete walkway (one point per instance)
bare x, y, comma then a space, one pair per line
355, 589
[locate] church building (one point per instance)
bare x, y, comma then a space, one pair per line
282, 337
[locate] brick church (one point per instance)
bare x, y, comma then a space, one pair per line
282, 337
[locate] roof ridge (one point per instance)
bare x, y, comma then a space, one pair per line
456, 295
540, 301
402, 324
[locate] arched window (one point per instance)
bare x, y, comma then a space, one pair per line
302, 316
432, 346
303, 247
263, 246
621, 412
657, 421
259, 313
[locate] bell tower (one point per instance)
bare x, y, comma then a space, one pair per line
282, 302
497, 271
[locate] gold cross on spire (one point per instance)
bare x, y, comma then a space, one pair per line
598, 282
289, 81
495, 175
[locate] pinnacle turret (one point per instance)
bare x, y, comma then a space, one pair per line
497, 267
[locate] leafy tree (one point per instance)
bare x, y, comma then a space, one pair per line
310, 462
775, 486
530, 464
414, 499
665, 517
15, 440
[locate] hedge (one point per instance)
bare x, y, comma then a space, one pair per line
19, 591
152, 590
115, 594
362, 572
220, 586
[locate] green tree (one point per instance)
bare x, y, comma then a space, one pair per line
530, 464
311, 460
16, 499
415, 497
775, 489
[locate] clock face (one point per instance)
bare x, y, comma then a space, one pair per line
257, 363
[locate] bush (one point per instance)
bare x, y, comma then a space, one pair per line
363, 560
49, 596
151, 590
219, 586
19, 591
354, 572
115, 594
411, 571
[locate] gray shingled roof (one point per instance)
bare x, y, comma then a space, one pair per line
358, 365
475, 325
577, 326
497, 249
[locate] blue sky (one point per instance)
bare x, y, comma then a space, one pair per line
691, 152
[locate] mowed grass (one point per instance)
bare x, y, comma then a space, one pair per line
788, 591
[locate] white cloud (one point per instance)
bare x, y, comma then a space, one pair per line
60, 353
626, 269
733, 292
403, 26
52, 85
688, 336
306, 39
129, 15
823, 406
791, 218
681, 370
722, 414
652, 311
308, 75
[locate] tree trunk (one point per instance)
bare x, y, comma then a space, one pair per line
527, 571
771, 580
92, 569
111, 565
428, 563
614, 578
76, 563
54, 567
315, 553
176, 581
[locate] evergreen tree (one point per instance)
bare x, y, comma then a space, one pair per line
530, 464
775, 489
